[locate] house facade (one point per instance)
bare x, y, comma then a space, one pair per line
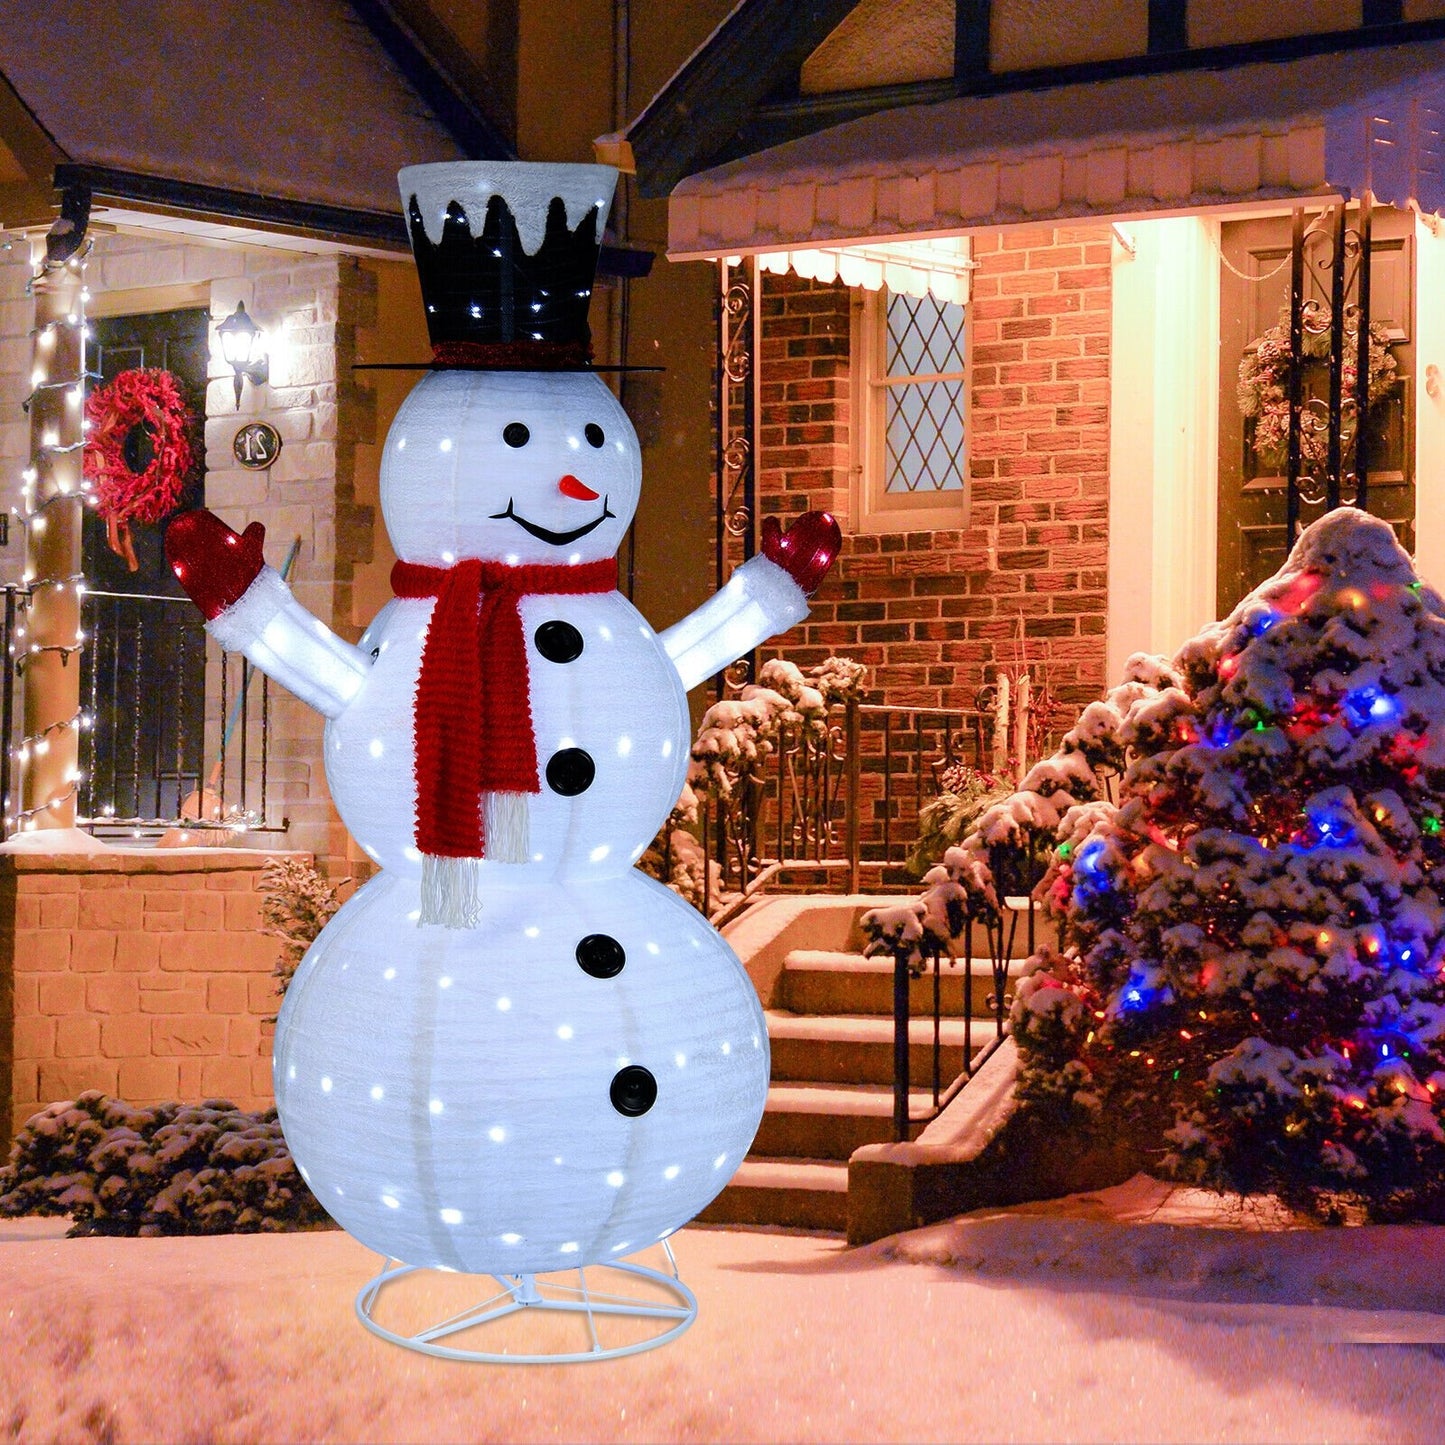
1004, 261
249, 161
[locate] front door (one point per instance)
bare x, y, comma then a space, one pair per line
1254, 296
143, 673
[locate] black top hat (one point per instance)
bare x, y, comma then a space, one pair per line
507, 254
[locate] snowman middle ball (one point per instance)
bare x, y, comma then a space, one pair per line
521, 467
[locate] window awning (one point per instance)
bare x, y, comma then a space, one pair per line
1323, 125
938, 267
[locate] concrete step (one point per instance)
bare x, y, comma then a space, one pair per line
824, 982
816, 1121
858, 1048
794, 1193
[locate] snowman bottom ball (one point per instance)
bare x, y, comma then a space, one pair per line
564, 1084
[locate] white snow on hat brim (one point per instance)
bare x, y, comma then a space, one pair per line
527, 187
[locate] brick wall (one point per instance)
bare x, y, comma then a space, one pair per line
141, 973
935, 614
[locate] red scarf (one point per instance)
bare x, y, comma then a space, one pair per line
473, 728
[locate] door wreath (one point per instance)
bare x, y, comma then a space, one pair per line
138, 452
1263, 390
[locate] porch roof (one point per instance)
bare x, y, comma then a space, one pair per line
284, 111
1322, 125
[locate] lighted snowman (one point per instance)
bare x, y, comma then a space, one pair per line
510, 1051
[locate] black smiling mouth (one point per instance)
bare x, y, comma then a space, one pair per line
557, 539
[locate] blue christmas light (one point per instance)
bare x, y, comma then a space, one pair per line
1368, 704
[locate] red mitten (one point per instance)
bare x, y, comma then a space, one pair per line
806, 550
214, 564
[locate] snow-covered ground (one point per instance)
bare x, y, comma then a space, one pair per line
1133, 1314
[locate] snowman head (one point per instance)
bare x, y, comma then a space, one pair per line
509, 466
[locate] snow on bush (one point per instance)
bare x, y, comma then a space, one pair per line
735, 739
296, 904
124, 1169
1060, 798
1251, 982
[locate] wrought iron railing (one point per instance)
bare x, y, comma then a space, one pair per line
15, 598
178, 732
843, 798
1017, 872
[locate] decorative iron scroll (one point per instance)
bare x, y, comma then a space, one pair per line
737, 404
1329, 328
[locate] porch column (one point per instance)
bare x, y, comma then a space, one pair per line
48, 648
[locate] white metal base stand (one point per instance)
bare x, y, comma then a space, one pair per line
529, 1291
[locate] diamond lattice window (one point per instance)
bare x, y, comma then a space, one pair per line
923, 393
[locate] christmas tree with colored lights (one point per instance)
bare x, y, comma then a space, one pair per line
1249, 982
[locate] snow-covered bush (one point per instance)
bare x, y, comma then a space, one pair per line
964, 793
296, 904
1251, 985
1016, 836
123, 1169
738, 735
676, 858
735, 739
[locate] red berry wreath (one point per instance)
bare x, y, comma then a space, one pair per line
138, 452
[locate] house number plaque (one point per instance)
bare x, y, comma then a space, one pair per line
257, 445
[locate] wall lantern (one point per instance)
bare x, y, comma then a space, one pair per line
243, 346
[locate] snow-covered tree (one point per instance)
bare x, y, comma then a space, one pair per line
1251, 978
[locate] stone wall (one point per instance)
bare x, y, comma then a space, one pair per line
143, 973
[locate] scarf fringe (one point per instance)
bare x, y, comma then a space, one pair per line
450, 894
508, 827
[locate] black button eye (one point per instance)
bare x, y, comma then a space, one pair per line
516, 434
594, 434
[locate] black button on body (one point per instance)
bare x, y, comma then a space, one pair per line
634, 1090
601, 955
559, 642
570, 772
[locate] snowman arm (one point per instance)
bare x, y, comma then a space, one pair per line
758, 601
291, 646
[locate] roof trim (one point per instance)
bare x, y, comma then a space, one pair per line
755, 48
766, 123
334, 223
1324, 125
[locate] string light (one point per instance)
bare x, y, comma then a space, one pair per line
53, 475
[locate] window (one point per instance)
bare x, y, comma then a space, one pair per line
911, 404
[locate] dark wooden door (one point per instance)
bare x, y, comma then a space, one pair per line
1254, 295
143, 673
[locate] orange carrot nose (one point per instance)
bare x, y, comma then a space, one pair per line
571, 486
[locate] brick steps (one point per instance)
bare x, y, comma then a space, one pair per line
831, 1036
824, 981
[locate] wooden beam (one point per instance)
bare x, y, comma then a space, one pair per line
1168, 26
772, 124
437, 69
700, 109
27, 140
1383, 12
971, 37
